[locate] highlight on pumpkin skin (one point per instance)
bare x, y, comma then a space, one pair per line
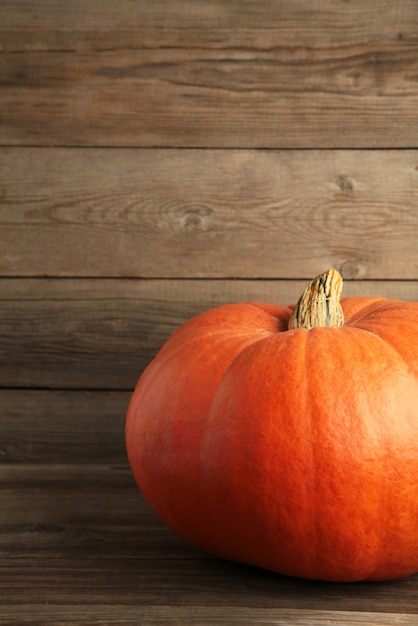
319, 305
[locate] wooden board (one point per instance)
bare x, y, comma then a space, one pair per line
322, 74
100, 334
62, 427
76, 25
208, 213
198, 616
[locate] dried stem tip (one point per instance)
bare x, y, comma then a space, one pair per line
319, 305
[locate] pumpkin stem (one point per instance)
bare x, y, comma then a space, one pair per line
319, 305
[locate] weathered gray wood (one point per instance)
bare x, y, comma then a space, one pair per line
62, 427
198, 616
186, 582
322, 74
41, 502
100, 334
211, 98
208, 213
77, 511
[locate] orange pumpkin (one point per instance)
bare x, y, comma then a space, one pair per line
295, 450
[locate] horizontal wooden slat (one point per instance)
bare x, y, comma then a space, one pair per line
121, 615
186, 582
103, 24
100, 334
328, 74
208, 213
82, 494
62, 427
211, 99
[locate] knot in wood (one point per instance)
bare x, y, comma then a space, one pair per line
192, 221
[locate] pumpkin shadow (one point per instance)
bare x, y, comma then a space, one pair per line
225, 583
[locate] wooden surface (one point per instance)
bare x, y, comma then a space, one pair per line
158, 159
219, 74
79, 545
208, 213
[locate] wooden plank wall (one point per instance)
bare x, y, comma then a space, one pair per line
154, 153
159, 158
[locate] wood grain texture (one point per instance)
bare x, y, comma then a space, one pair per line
30, 25
322, 74
208, 213
185, 582
100, 334
62, 427
45, 503
133, 190
83, 536
198, 616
